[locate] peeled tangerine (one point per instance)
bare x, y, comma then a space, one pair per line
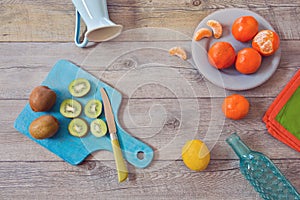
266, 42
202, 33
178, 51
216, 27
196, 155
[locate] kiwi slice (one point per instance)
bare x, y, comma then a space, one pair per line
79, 87
98, 128
78, 127
93, 108
70, 108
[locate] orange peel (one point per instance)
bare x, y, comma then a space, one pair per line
202, 33
216, 27
178, 51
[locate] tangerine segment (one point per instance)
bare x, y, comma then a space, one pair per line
202, 33
248, 61
266, 42
235, 107
178, 51
221, 55
216, 27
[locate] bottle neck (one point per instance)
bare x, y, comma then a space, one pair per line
239, 147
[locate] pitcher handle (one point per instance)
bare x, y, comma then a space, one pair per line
77, 32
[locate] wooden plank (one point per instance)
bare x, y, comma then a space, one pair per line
166, 101
100, 57
164, 124
54, 20
57, 180
168, 81
122, 65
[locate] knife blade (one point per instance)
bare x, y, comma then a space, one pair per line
109, 116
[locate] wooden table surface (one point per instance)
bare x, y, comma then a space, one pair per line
166, 101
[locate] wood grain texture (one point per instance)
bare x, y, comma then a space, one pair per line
162, 125
54, 21
123, 64
101, 56
166, 101
36, 180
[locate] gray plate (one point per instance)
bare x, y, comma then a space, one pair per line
230, 78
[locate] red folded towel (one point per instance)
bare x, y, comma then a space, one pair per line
274, 127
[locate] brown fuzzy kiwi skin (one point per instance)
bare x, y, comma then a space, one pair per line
42, 98
44, 127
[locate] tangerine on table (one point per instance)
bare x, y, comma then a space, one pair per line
266, 42
248, 61
244, 28
221, 55
235, 107
178, 51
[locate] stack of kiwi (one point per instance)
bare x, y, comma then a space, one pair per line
71, 108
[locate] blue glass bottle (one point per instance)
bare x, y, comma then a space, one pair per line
261, 172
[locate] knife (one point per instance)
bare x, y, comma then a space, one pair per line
120, 163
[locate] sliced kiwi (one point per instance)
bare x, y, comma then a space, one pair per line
70, 108
78, 127
79, 87
93, 108
98, 127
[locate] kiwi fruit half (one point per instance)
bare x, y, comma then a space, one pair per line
79, 87
98, 127
93, 108
70, 108
78, 127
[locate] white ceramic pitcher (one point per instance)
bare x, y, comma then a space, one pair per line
95, 15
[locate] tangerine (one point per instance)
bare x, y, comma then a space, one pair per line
266, 42
235, 107
248, 61
202, 33
216, 27
244, 28
178, 51
221, 55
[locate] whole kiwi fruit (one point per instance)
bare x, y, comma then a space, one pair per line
42, 98
44, 127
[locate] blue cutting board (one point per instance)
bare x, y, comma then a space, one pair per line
72, 149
